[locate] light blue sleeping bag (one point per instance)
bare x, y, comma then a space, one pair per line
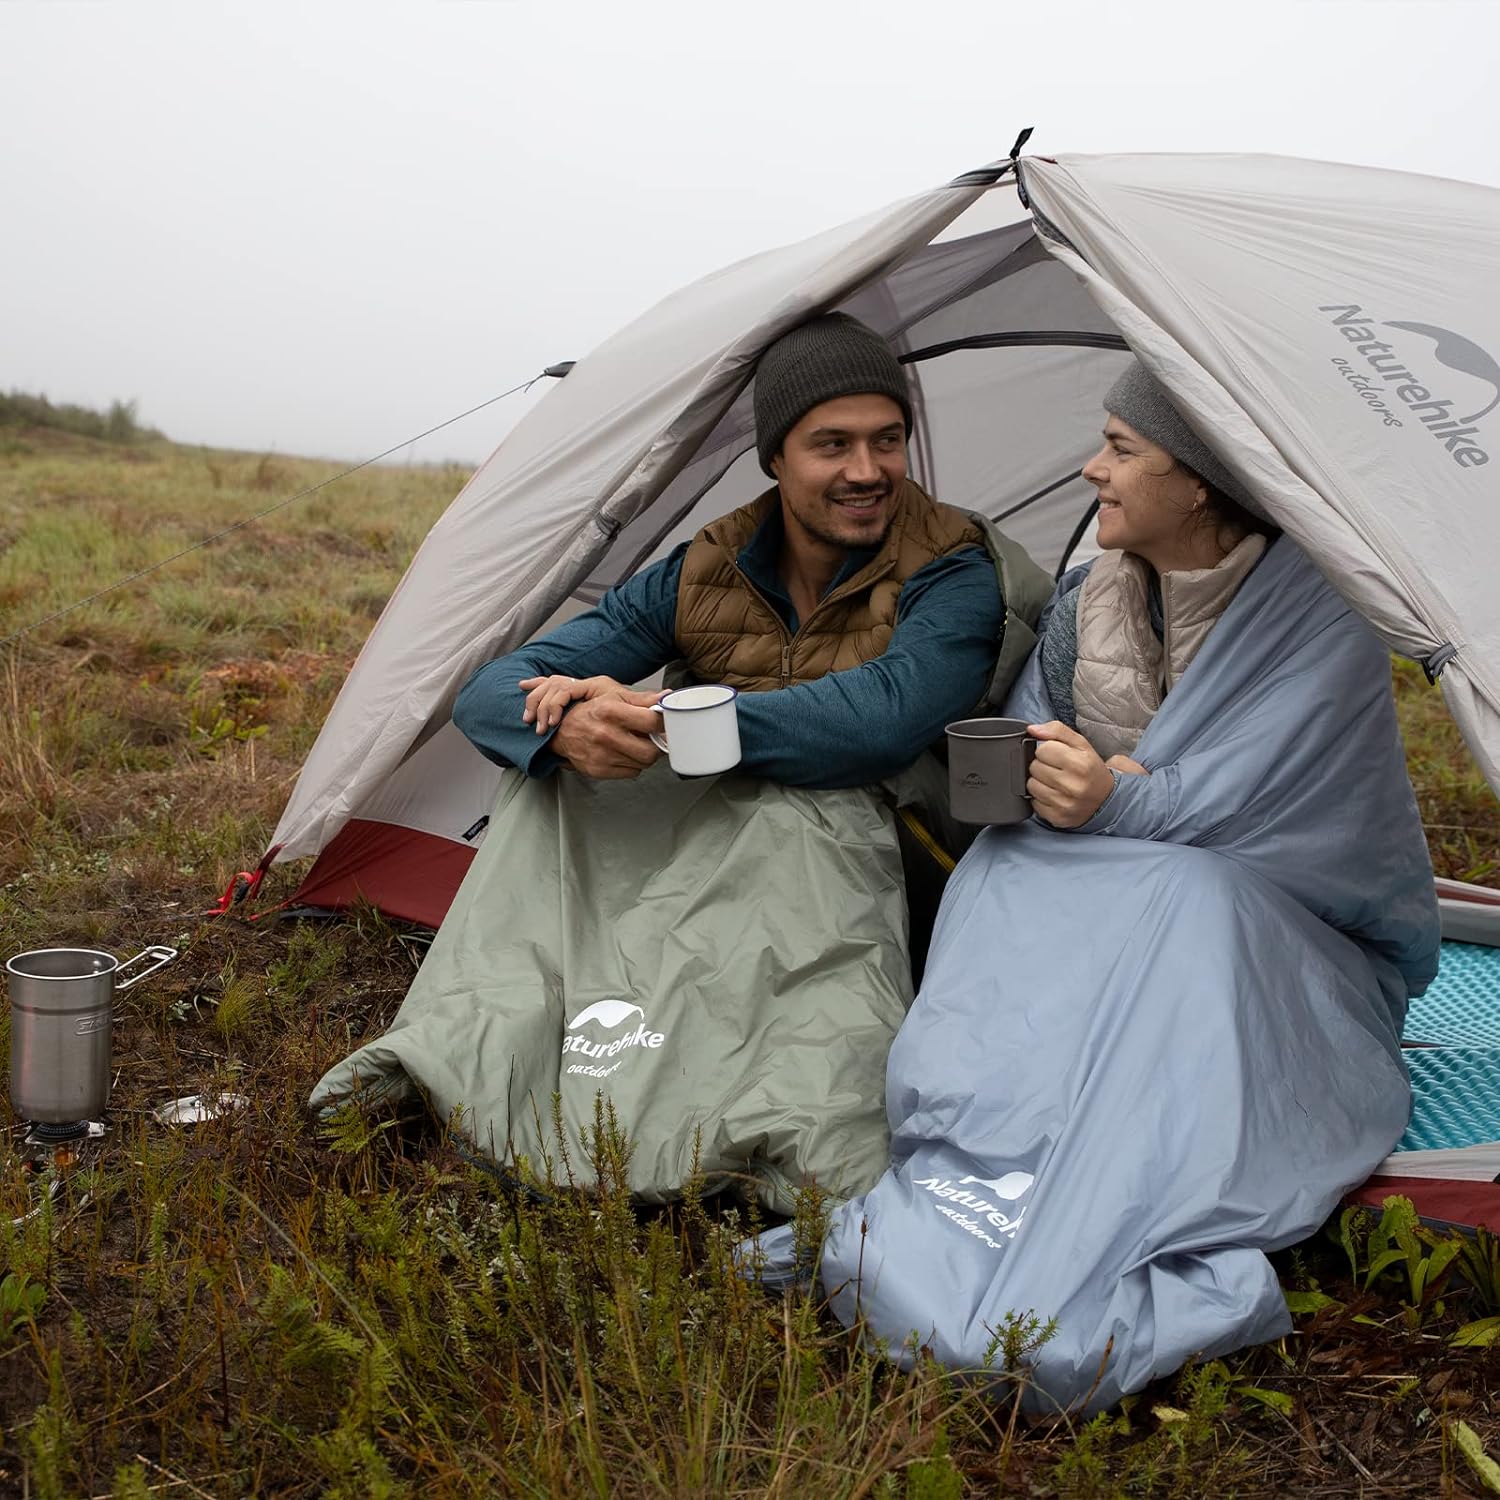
1148, 1051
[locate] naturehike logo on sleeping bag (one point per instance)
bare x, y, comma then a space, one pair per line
609, 1014
1408, 394
1010, 1187
960, 1201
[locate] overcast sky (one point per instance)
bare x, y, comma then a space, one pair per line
322, 228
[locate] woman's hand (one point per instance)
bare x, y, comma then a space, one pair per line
1068, 781
547, 698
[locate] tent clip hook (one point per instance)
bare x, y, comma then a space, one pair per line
1433, 665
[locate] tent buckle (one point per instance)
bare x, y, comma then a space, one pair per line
1433, 665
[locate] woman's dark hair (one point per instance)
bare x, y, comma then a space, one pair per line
1220, 510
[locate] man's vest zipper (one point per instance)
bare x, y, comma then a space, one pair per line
788, 640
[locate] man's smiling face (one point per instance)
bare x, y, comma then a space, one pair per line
839, 469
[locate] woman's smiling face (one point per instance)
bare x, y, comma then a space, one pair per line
1148, 503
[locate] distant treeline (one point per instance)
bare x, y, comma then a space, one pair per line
117, 425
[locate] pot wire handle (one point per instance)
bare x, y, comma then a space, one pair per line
162, 956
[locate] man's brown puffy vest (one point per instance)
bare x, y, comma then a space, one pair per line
728, 633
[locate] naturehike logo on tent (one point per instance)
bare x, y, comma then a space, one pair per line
1463, 355
609, 1014
960, 1201
1408, 394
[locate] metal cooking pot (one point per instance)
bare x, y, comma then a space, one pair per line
61, 1015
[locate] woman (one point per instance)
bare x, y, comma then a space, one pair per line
1172, 530
1158, 1033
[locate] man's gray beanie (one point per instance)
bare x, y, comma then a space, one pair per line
826, 357
1137, 398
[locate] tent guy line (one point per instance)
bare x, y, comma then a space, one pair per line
556, 371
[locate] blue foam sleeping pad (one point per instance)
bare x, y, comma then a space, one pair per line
1455, 1062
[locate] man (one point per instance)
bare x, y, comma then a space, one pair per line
856, 615
717, 965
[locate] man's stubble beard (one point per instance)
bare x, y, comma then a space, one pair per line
812, 526
849, 544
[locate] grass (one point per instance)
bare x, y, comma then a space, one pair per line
267, 1305
1459, 811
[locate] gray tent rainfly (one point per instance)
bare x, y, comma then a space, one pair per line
1333, 333
649, 436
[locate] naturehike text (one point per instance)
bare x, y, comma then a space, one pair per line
1436, 415
990, 1213
640, 1037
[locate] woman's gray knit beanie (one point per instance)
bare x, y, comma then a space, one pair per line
1138, 399
826, 357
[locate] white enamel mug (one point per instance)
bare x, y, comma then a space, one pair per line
701, 729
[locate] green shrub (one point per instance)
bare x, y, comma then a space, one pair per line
117, 425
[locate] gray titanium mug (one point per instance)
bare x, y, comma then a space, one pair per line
988, 763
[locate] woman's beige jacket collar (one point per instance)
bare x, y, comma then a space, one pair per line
1123, 672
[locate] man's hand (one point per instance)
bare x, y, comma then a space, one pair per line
547, 698
609, 737
1068, 781
1124, 763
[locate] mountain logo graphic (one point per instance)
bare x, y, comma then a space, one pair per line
1461, 354
608, 1013
1010, 1187
975, 779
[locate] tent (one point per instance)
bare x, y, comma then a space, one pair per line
1332, 331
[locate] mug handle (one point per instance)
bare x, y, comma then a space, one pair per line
659, 740
1028, 754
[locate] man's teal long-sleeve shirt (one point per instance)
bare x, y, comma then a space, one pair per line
847, 728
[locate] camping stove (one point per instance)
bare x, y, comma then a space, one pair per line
47, 1133
46, 1139
32, 1174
